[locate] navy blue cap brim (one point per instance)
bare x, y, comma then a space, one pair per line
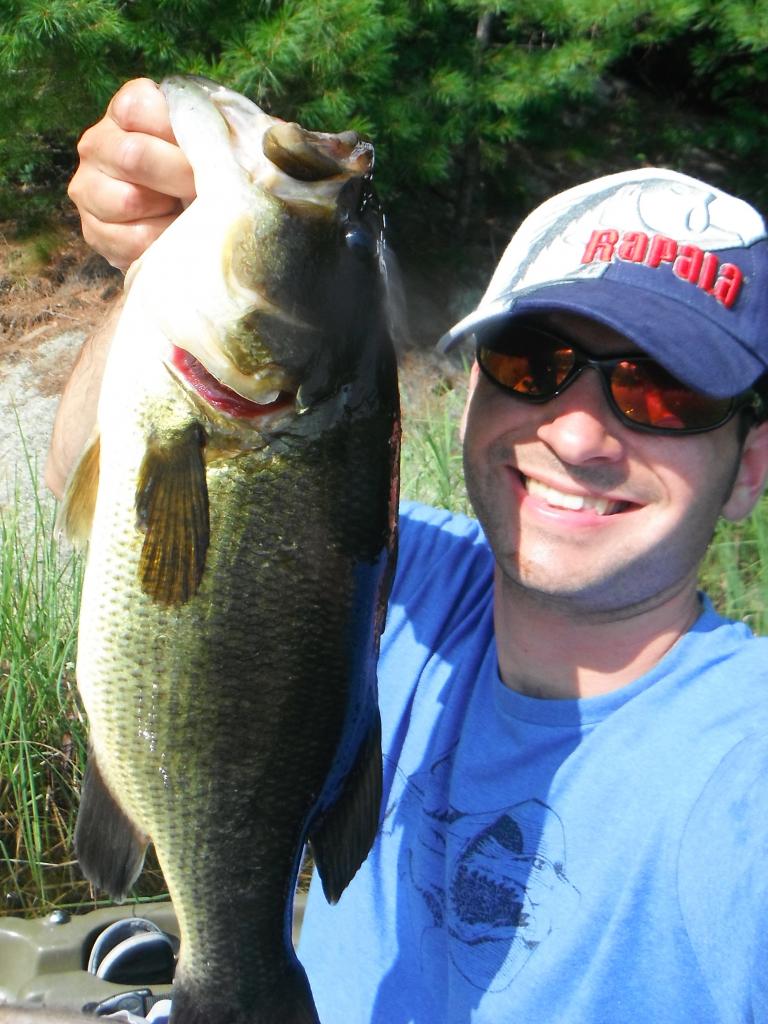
692, 347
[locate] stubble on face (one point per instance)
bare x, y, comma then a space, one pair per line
646, 551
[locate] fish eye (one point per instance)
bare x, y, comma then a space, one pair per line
358, 238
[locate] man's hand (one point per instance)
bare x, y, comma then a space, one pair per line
133, 179
131, 183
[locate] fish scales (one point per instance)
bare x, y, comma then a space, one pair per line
264, 694
237, 573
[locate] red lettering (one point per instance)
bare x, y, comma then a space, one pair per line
688, 263
708, 272
728, 284
634, 245
600, 246
662, 250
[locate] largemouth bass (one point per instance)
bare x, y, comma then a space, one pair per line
240, 501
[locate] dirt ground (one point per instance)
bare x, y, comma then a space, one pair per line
49, 301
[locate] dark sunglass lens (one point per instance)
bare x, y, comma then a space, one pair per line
648, 395
534, 366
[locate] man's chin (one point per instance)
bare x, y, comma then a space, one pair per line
607, 596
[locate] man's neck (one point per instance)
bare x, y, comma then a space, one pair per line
549, 651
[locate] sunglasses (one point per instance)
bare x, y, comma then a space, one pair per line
537, 366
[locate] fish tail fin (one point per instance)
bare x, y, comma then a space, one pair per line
287, 1000
108, 846
342, 837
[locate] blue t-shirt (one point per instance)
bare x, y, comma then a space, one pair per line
596, 861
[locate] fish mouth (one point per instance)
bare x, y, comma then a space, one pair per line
294, 155
222, 398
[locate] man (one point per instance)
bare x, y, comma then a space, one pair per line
575, 818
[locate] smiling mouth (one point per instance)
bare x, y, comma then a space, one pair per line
574, 502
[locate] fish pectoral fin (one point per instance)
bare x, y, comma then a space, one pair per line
75, 516
108, 845
343, 835
172, 510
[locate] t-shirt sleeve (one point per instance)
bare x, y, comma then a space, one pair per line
442, 589
443, 562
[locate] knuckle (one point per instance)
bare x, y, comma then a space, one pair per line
73, 190
131, 242
132, 204
143, 236
130, 154
90, 236
118, 252
86, 144
129, 105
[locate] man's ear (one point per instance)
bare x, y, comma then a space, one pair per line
474, 374
751, 475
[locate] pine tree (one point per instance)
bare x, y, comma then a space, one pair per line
476, 108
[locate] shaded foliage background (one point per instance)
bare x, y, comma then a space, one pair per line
478, 110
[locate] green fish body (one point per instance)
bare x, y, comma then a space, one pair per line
240, 502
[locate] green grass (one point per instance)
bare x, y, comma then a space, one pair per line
42, 728
42, 725
735, 570
433, 399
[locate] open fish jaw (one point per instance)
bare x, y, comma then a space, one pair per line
278, 156
269, 228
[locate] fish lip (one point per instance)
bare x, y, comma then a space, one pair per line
333, 155
218, 396
351, 152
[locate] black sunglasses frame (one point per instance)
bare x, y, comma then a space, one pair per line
749, 400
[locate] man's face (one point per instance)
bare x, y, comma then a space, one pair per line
582, 510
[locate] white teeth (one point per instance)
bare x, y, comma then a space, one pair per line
266, 398
576, 502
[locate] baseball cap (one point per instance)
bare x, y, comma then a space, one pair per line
677, 266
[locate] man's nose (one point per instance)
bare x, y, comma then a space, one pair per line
580, 426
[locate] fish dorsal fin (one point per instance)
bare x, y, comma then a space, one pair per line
342, 837
172, 510
108, 846
75, 516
